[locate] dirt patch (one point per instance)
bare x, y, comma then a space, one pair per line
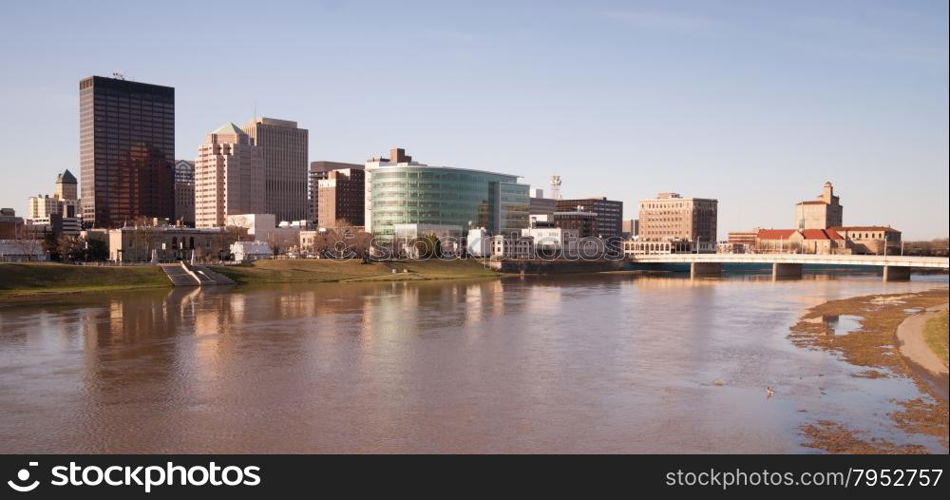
921, 416
873, 346
836, 438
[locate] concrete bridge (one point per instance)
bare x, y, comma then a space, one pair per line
784, 265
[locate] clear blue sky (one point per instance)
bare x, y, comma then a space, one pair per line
754, 103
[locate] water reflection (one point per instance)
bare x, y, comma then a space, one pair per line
596, 363
841, 324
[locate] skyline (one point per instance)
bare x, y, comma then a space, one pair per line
687, 98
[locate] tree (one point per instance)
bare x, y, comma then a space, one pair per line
71, 248
51, 246
96, 250
427, 246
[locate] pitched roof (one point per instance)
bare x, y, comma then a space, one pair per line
886, 229
776, 234
814, 234
229, 128
834, 234
66, 177
821, 234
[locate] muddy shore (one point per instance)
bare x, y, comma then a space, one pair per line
875, 347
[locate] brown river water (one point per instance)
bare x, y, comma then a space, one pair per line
605, 363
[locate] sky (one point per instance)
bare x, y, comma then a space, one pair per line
755, 103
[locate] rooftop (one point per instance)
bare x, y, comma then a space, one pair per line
776, 234
886, 229
229, 128
66, 177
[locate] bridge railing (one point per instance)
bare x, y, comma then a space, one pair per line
851, 260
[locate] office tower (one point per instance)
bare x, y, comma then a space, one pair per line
670, 217
126, 150
609, 213
401, 191
539, 205
185, 192
66, 186
63, 202
320, 170
229, 178
284, 149
340, 198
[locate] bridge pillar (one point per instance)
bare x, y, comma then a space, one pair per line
786, 270
894, 273
700, 269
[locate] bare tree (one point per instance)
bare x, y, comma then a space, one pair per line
30, 241
71, 248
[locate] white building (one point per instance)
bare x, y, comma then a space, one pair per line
247, 251
70, 226
553, 240
478, 243
512, 248
24, 250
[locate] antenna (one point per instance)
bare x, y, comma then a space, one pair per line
118, 76
556, 187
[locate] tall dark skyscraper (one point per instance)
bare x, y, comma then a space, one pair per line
126, 151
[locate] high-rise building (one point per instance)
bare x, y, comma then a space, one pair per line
229, 177
340, 198
126, 150
320, 170
185, 192
584, 223
402, 191
609, 214
631, 228
284, 148
822, 213
63, 202
670, 217
539, 205
66, 186
41, 205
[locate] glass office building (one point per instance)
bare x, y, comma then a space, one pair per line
126, 151
412, 193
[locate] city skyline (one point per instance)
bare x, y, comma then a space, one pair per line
824, 96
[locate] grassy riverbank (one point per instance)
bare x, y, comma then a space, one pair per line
875, 347
325, 270
28, 279
935, 334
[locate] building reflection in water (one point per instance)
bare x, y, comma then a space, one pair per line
595, 363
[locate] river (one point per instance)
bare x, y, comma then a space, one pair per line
603, 363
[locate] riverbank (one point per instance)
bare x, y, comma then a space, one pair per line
26, 281
47, 279
920, 340
875, 347
328, 271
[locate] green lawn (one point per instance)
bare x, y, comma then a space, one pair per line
328, 270
41, 277
25, 279
935, 334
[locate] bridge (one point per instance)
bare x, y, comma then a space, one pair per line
786, 265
